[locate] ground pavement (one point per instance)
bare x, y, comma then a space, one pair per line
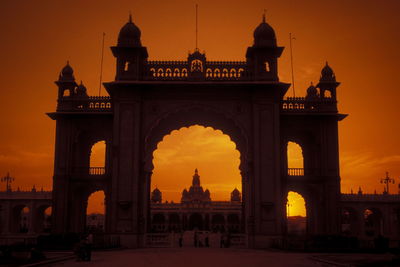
196, 257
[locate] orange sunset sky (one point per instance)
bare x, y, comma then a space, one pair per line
359, 38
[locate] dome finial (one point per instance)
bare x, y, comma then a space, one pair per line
263, 17
130, 17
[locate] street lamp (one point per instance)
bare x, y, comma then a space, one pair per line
387, 180
8, 180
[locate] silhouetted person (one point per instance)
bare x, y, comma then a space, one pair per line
180, 239
206, 241
195, 239
88, 247
222, 241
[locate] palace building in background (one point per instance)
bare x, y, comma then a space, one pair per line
196, 211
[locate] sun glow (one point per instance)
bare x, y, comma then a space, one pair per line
296, 206
210, 151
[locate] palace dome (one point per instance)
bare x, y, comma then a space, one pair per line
312, 90
129, 35
264, 35
67, 73
327, 73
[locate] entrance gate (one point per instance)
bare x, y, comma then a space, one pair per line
149, 99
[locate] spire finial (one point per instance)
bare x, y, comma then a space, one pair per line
130, 17
196, 171
263, 17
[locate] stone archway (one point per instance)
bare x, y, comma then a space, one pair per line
207, 116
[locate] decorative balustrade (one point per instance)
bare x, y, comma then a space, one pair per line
295, 172
88, 103
302, 104
97, 170
92, 171
184, 70
158, 240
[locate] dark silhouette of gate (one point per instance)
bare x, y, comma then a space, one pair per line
149, 99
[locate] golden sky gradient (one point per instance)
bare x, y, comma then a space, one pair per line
359, 38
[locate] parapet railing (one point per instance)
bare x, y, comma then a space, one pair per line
370, 197
97, 170
85, 103
295, 172
185, 70
158, 240
303, 104
93, 171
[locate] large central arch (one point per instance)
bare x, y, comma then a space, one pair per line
186, 116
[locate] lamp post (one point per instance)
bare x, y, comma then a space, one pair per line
8, 180
288, 205
387, 180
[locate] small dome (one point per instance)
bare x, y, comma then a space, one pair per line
264, 35
312, 90
156, 190
67, 73
327, 74
129, 35
81, 90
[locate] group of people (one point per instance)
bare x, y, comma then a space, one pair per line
83, 248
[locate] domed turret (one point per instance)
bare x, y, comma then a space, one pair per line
156, 196
235, 195
262, 56
264, 35
312, 92
81, 90
129, 35
327, 74
67, 73
327, 82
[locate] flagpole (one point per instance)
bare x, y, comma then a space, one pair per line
291, 63
101, 63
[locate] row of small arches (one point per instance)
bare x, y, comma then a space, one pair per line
293, 106
101, 105
210, 73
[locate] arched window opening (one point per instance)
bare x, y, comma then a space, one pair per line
174, 222
196, 222
158, 223
218, 223
233, 223
197, 65
126, 66
47, 219
98, 158
372, 222
295, 159
349, 224
327, 94
21, 219
66, 93
267, 69
296, 214
95, 212
194, 168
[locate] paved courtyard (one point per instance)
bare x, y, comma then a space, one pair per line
195, 257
